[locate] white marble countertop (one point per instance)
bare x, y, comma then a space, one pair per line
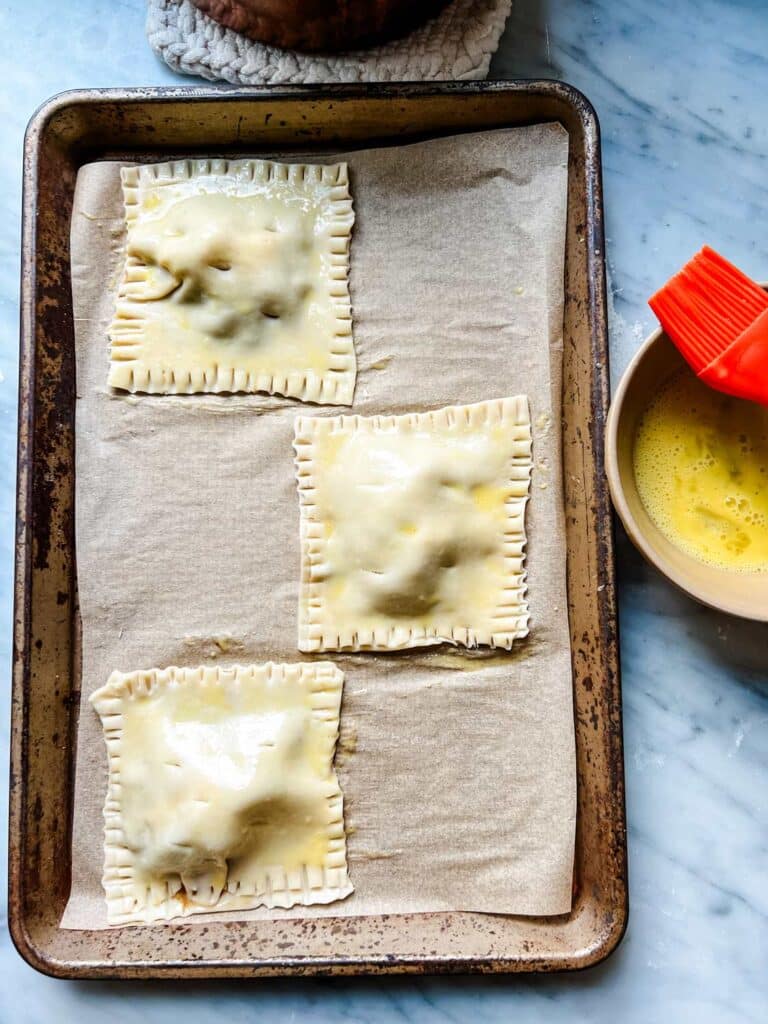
680, 90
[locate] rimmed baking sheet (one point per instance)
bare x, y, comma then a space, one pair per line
73, 130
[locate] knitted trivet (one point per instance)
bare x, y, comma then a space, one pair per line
457, 44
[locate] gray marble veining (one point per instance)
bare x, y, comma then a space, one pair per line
680, 89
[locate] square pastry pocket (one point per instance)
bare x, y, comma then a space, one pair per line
221, 791
412, 527
236, 279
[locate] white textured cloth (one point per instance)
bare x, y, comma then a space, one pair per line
457, 44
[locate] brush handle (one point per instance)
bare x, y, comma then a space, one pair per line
742, 369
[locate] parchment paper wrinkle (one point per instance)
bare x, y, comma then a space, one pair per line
460, 785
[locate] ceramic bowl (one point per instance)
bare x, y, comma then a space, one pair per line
742, 594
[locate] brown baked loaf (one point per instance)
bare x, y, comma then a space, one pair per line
313, 25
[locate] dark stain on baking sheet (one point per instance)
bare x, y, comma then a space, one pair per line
148, 124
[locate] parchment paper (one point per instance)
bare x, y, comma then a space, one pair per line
457, 767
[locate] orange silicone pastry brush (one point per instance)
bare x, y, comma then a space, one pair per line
718, 319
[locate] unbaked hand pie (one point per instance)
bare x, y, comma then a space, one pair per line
236, 279
412, 527
221, 793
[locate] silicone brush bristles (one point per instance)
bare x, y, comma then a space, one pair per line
706, 306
